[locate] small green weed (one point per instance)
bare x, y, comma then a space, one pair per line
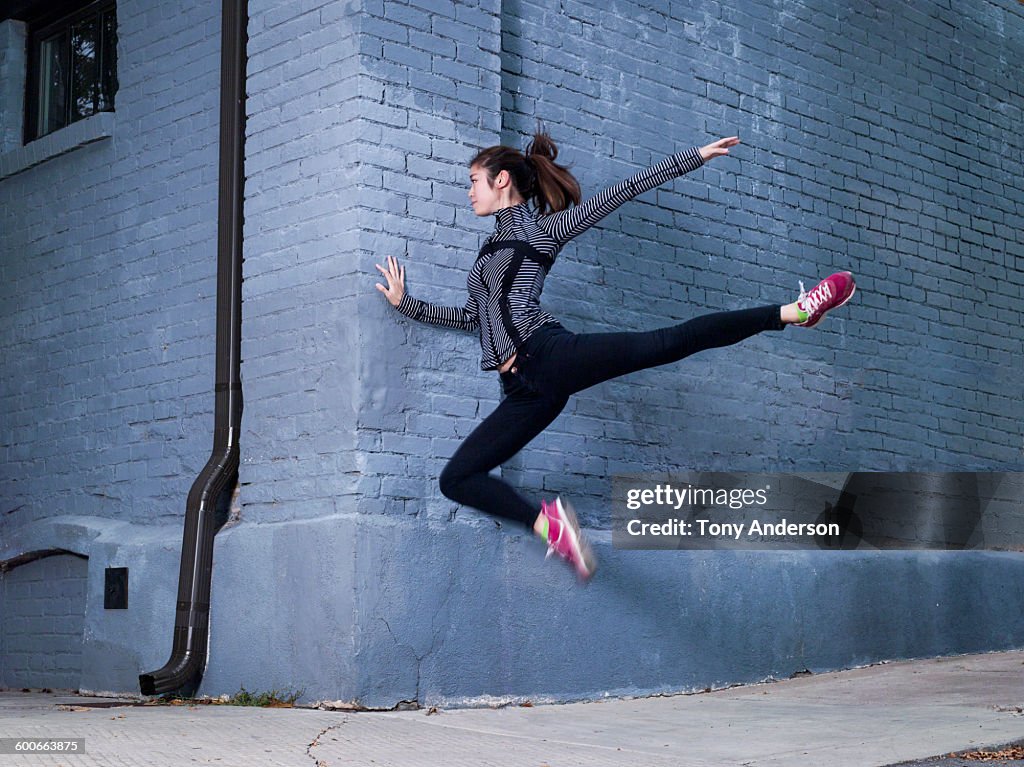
271, 699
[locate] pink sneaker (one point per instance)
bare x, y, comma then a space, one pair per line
830, 293
565, 539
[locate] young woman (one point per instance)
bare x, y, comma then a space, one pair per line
540, 362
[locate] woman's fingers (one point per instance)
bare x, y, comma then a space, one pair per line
393, 272
395, 276
387, 275
719, 148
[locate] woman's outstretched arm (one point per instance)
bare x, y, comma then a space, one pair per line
464, 318
566, 224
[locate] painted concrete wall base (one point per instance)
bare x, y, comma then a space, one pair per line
649, 622
116, 644
488, 620
319, 606
283, 610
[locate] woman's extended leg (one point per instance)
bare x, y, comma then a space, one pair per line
567, 363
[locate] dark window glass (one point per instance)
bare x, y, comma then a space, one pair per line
72, 68
85, 80
108, 61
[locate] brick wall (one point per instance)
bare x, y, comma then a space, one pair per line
883, 152
43, 604
891, 149
12, 83
436, 67
107, 282
300, 224
360, 116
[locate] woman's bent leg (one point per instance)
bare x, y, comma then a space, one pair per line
588, 359
518, 419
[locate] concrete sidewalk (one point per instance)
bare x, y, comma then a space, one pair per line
880, 715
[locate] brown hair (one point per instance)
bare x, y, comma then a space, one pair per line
535, 174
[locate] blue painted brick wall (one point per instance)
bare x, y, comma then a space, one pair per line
107, 283
879, 152
435, 69
43, 604
837, 170
300, 226
885, 140
12, 82
892, 151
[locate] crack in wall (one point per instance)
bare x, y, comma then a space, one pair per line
436, 643
419, 663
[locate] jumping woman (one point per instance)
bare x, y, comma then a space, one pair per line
540, 362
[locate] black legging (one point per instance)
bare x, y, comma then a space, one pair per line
555, 363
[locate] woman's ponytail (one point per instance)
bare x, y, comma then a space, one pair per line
536, 175
554, 187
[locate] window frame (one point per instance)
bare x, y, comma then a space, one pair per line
61, 16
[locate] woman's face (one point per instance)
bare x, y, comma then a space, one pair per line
483, 197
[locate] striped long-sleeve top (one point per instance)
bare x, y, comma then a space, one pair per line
507, 278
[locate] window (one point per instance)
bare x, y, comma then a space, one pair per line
72, 67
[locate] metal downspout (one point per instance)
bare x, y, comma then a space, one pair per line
205, 509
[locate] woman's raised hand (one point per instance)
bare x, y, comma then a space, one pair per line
718, 148
396, 281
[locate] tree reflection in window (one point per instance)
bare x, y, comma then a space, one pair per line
76, 68
85, 83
